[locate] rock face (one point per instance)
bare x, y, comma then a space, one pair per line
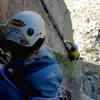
58, 26
86, 26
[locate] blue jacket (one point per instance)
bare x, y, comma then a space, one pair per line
38, 75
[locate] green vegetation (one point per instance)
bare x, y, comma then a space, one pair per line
63, 59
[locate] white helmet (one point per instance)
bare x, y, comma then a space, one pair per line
25, 28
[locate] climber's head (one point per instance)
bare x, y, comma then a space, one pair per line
25, 32
75, 46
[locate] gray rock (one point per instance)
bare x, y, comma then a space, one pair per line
98, 97
87, 87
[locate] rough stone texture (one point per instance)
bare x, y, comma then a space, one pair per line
86, 25
58, 26
3, 11
98, 97
61, 17
86, 97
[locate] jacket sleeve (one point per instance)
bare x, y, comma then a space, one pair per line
48, 79
46, 51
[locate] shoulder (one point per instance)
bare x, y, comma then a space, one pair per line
46, 51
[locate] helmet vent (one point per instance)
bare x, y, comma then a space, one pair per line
38, 34
30, 31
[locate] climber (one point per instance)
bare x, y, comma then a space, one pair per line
32, 72
73, 53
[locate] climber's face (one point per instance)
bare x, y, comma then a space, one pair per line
72, 48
